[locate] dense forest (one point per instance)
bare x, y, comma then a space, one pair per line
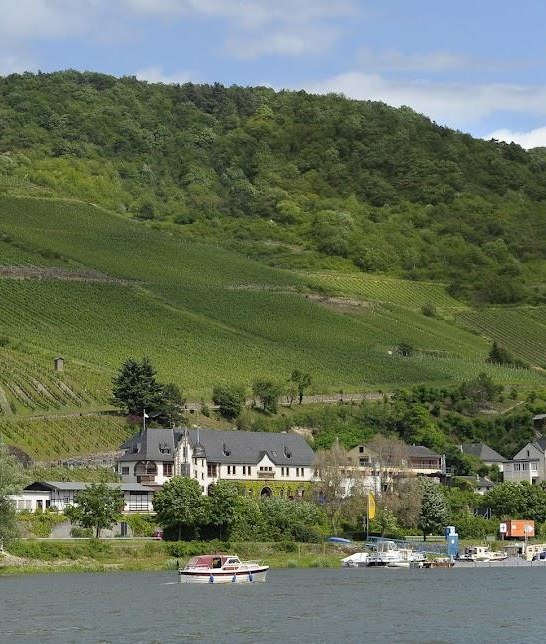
296, 180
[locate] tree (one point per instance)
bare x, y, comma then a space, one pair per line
180, 505
397, 492
230, 400
12, 481
223, 505
406, 349
302, 381
434, 510
135, 387
98, 506
171, 405
339, 480
268, 393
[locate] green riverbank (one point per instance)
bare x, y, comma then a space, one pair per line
49, 556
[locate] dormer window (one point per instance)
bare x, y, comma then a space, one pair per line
225, 450
164, 448
287, 452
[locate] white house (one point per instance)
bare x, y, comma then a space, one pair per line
60, 494
207, 455
529, 464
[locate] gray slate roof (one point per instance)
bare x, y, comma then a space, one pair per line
221, 446
152, 445
482, 451
479, 481
250, 447
539, 417
541, 444
420, 451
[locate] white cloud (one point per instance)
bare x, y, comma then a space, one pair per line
532, 139
262, 27
155, 74
22, 19
395, 60
456, 104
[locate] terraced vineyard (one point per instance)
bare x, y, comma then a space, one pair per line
206, 315
379, 288
522, 330
26, 385
56, 438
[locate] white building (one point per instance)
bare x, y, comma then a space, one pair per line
529, 464
156, 455
59, 495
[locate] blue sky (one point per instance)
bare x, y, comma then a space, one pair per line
475, 65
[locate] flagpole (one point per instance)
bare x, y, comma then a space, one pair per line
144, 420
368, 518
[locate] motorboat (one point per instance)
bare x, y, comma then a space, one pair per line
221, 569
388, 555
475, 554
356, 560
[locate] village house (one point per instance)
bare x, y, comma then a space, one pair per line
484, 453
269, 462
58, 495
481, 484
529, 464
397, 460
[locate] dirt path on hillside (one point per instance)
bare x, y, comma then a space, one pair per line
4, 403
54, 273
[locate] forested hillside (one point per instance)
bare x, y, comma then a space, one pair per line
300, 181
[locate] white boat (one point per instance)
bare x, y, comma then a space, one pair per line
356, 560
388, 555
475, 554
221, 569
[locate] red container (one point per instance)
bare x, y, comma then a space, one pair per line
520, 528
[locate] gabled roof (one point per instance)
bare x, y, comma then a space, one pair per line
249, 447
220, 446
420, 451
539, 417
479, 481
482, 451
541, 444
152, 445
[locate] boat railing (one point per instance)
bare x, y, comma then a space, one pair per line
419, 546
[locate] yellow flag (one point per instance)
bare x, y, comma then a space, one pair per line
371, 506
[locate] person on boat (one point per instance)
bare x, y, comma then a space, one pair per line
217, 562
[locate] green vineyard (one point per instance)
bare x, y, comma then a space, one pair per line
50, 439
203, 315
522, 330
379, 288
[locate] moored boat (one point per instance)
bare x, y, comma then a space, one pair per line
221, 569
388, 555
476, 554
356, 560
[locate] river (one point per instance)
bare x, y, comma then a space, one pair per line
313, 605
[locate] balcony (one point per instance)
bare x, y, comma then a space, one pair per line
266, 475
145, 478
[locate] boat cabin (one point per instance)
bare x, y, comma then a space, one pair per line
224, 562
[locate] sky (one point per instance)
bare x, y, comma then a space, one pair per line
475, 65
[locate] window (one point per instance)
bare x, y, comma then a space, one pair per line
211, 470
517, 467
534, 467
361, 449
125, 470
167, 469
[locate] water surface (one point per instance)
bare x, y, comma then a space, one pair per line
343, 605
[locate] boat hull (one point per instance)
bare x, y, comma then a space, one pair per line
223, 577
